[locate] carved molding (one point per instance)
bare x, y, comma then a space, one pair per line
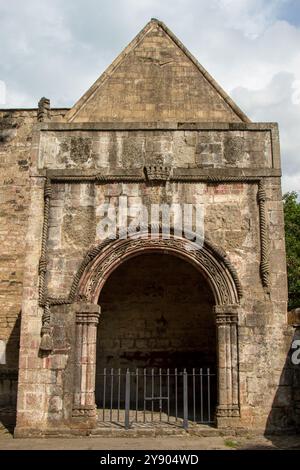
228, 412
157, 172
87, 319
84, 411
103, 259
46, 344
226, 319
264, 238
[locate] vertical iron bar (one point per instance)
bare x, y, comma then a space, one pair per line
208, 393
194, 394
168, 393
104, 391
185, 400
160, 394
136, 393
201, 395
152, 394
111, 391
176, 402
127, 399
119, 392
145, 393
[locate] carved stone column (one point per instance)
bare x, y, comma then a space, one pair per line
87, 318
228, 373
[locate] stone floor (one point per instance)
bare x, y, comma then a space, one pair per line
183, 442
141, 437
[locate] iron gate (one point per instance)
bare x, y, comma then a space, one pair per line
154, 396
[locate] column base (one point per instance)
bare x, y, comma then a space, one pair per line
84, 416
227, 416
84, 411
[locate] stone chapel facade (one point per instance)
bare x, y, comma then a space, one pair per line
155, 128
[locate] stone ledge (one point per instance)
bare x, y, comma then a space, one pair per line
93, 174
171, 126
201, 431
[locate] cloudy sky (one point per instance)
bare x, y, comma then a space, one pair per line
57, 48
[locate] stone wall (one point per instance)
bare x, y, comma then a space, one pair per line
15, 159
155, 79
232, 221
132, 149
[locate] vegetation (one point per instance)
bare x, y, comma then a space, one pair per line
292, 240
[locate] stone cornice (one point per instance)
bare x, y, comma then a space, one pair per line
156, 126
209, 175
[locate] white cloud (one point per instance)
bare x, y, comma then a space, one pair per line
57, 48
274, 102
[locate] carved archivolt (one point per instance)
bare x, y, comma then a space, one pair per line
101, 261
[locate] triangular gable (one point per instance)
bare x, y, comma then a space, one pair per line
155, 79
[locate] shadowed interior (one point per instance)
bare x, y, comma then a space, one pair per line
156, 313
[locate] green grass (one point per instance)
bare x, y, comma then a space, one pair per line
231, 443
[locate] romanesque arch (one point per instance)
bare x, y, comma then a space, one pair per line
213, 264
103, 259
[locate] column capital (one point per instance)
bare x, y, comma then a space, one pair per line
87, 312
228, 309
86, 307
226, 319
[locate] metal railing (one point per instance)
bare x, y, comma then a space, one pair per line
153, 396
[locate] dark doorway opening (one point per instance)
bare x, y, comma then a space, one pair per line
157, 316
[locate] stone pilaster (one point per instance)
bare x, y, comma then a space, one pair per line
87, 318
228, 374
31, 404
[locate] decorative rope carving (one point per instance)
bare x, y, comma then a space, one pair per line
46, 340
58, 301
214, 179
46, 331
98, 179
110, 178
119, 178
264, 263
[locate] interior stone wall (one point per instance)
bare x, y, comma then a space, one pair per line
156, 311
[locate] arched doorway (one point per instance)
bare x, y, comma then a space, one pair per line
98, 276
157, 315
156, 311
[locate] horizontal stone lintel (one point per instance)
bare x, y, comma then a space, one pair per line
203, 174
146, 126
